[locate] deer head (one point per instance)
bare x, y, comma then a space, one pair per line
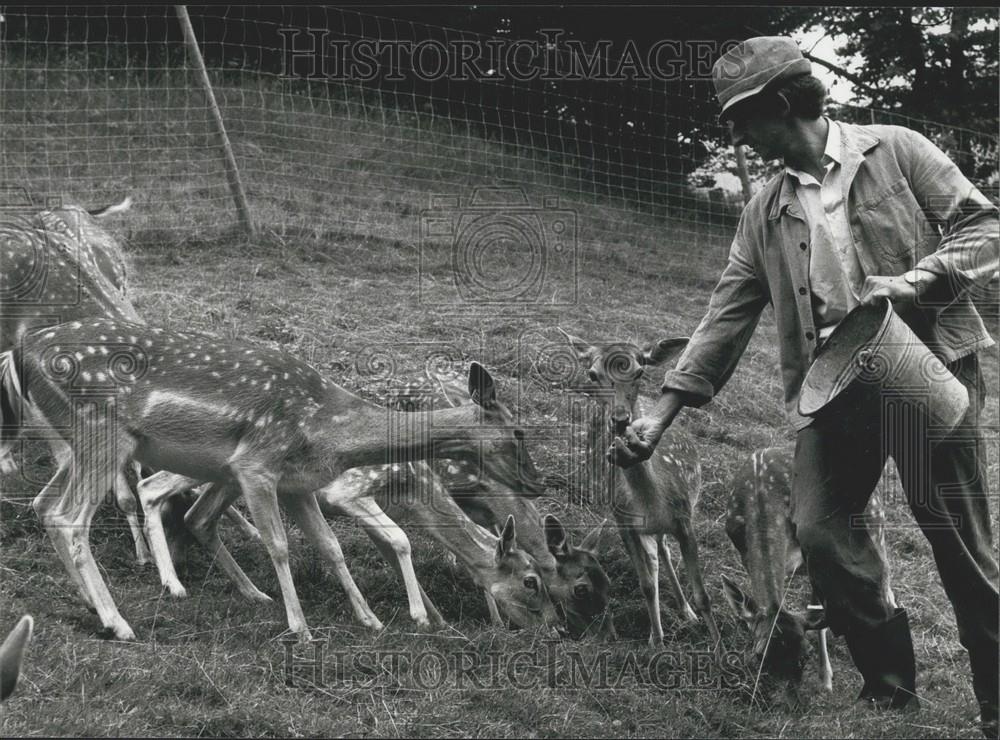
620, 366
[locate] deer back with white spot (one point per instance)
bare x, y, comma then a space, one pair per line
59, 265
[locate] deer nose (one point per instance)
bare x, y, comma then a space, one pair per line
620, 418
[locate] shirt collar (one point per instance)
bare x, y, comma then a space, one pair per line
831, 153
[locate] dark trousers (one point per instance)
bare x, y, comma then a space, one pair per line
838, 462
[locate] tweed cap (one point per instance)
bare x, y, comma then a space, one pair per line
752, 65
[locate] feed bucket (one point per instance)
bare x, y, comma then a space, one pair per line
873, 345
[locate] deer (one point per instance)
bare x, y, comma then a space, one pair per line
758, 522
60, 264
256, 422
573, 573
657, 497
416, 494
12, 654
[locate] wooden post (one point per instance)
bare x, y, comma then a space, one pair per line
741, 166
232, 172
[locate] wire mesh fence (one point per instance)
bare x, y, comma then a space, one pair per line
350, 123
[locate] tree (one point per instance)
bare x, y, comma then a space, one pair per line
936, 63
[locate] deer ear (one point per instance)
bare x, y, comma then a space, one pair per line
739, 601
583, 350
12, 655
664, 350
508, 538
555, 536
592, 541
482, 388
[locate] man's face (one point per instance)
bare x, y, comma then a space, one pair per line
758, 123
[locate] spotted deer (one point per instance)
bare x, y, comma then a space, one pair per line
60, 264
758, 522
440, 501
254, 421
573, 573
12, 654
657, 497
413, 495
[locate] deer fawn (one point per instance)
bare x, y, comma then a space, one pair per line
61, 265
225, 412
657, 497
415, 494
759, 524
573, 573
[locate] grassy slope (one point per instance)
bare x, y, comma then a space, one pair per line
335, 277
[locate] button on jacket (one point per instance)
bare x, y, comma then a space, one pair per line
908, 206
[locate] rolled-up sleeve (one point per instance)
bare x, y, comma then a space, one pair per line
969, 251
722, 336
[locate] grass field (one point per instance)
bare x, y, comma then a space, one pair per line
336, 277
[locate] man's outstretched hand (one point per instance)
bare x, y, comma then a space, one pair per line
641, 438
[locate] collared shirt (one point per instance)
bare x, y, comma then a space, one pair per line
835, 275
900, 189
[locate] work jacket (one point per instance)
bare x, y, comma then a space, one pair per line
909, 206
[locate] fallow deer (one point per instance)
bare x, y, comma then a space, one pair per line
60, 264
573, 573
759, 524
256, 421
658, 497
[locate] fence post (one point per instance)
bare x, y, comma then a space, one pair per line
741, 166
232, 172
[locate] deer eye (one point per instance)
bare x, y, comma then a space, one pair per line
531, 583
580, 591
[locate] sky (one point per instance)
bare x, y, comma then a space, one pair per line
819, 44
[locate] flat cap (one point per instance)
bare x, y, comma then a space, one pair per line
752, 65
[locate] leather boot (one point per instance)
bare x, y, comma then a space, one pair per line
884, 655
983, 660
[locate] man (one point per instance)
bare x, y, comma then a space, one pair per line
859, 214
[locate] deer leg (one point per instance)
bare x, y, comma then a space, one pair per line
381, 528
641, 550
825, 669
675, 582
262, 497
125, 499
236, 518
433, 615
153, 492
202, 519
44, 506
692, 564
70, 519
305, 511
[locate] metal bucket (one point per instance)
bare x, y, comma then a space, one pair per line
872, 345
